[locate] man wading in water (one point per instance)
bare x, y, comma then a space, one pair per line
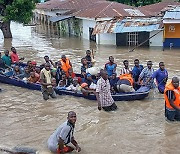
46, 83
63, 135
103, 93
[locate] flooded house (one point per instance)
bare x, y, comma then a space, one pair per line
168, 37
171, 22
106, 22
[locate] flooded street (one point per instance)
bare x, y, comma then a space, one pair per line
136, 127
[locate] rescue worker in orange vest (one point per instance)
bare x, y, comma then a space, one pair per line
172, 100
125, 84
65, 64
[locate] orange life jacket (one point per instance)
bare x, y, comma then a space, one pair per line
65, 65
169, 86
127, 77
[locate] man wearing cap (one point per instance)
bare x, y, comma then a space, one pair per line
63, 135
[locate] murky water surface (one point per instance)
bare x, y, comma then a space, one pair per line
136, 127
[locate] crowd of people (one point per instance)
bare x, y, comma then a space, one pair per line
60, 74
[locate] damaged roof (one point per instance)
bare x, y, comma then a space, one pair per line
128, 25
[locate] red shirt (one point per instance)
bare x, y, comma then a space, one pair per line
14, 57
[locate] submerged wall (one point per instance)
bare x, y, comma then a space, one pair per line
172, 35
156, 41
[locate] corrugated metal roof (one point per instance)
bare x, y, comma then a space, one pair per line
104, 9
59, 18
122, 28
128, 25
172, 14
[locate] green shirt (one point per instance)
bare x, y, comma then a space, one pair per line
7, 60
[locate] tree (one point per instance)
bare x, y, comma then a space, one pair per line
15, 10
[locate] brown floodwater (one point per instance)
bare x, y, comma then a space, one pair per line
136, 127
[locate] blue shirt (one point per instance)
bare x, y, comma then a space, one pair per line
136, 72
160, 78
113, 82
110, 68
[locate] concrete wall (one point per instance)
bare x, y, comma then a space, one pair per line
156, 40
106, 38
86, 24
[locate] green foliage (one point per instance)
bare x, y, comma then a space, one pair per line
137, 2
18, 10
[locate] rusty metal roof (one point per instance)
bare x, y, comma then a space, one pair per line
128, 25
74, 5
103, 9
157, 8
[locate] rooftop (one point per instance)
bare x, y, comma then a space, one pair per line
105, 9
157, 8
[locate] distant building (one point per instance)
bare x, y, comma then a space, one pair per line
171, 22
107, 22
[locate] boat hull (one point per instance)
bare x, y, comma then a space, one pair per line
116, 97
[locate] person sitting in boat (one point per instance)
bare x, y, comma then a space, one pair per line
146, 73
18, 72
29, 65
110, 67
46, 83
38, 70
125, 84
113, 82
14, 56
90, 81
53, 72
63, 82
7, 59
90, 60
65, 64
74, 86
126, 69
86, 90
26, 74
2, 64
97, 77
71, 76
33, 78
33, 65
49, 61
136, 71
84, 66
59, 72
